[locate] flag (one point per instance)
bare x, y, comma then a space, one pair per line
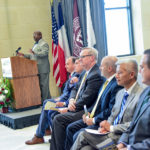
90, 32
77, 36
59, 70
62, 37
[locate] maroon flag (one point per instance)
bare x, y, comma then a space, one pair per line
77, 36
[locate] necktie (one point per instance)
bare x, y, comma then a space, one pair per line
83, 80
69, 76
98, 98
122, 107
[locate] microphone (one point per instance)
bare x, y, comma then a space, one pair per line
19, 48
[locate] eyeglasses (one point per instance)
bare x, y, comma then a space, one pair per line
84, 56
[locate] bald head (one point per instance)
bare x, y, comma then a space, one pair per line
111, 62
37, 35
108, 66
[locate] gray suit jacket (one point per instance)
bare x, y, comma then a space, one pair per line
129, 109
138, 134
97, 141
41, 50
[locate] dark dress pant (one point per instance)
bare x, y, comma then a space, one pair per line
60, 123
73, 131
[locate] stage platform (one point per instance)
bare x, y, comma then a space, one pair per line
21, 119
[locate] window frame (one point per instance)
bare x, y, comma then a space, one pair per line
130, 26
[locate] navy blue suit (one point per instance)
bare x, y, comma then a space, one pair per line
45, 117
138, 134
102, 112
87, 96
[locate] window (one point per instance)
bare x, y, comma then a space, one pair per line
118, 27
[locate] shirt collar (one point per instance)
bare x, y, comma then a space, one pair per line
72, 74
38, 41
110, 78
130, 89
89, 70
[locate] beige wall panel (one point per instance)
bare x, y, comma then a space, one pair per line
141, 24
19, 19
137, 26
146, 22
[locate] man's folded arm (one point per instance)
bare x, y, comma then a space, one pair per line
120, 128
144, 145
124, 138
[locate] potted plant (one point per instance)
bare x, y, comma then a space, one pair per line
5, 95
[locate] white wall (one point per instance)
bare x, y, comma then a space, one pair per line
141, 24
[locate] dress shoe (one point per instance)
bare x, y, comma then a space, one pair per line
48, 132
35, 140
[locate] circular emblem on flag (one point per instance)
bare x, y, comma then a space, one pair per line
77, 37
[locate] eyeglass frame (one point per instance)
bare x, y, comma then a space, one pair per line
85, 56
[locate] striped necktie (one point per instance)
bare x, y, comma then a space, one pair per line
98, 98
122, 108
83, 80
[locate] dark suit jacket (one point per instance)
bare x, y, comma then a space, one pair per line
67, 90
106, 101
140, 126
144, 145
89, 90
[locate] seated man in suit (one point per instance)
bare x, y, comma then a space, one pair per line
122, 112
60, 101
84, 93
137, 137
74, 79
101, 109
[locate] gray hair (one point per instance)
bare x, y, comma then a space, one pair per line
92, 51
131, 65
147, 61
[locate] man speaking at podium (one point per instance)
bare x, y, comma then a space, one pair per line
39, 52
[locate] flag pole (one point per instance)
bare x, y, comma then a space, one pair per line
51, 2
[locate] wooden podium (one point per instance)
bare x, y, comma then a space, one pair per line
23, 74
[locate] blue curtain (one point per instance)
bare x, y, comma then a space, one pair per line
82, 15
67, 6
98, 19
